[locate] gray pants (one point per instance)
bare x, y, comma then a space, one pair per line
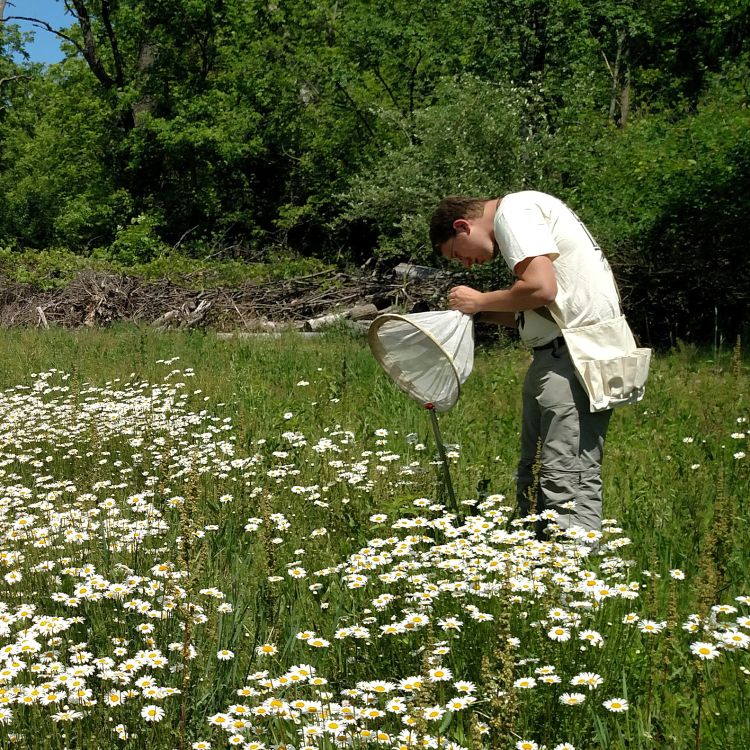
556, 414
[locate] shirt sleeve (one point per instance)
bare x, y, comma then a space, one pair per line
521, 231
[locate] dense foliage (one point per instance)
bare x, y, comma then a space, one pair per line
236, 128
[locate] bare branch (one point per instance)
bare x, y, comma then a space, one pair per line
412, 82
89, 45
107, 21
13, 78
44, 25
355, 108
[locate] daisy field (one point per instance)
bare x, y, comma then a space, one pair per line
210, 544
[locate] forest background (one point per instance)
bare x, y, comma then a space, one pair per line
180, 133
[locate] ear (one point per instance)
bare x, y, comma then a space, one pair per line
462, 226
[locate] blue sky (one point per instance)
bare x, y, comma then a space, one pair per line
46, 46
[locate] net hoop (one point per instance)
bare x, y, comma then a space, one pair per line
393, 370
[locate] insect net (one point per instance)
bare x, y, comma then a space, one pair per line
427, 355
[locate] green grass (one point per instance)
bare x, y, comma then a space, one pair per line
111, 446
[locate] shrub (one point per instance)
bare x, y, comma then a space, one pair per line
468, 141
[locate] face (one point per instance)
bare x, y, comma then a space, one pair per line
469, 245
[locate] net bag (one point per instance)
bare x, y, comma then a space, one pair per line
427, 355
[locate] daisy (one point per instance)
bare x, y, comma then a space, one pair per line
122, 732
616, 705
114, 698
318, 642
379, 686
572, 699
546, 669
439, 674
409, 684
550, 679
589, 679
152, 713
650, 627
433, 713
592, 636
704, 650
266, 649
559, 633
557, 614
396, 706
67, 716
333, 726
219, 720
734, 639
725, 609
450, 623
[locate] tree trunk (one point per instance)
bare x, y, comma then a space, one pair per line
615, 73
620, 93
144, 104
625, 96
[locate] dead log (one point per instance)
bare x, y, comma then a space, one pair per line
324, 321
367, 311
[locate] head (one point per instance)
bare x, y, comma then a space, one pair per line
461, 229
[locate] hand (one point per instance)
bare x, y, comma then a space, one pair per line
465, 299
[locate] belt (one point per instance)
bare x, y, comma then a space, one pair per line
554, 344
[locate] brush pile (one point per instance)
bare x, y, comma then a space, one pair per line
309, 302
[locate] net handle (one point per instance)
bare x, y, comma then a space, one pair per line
443, 458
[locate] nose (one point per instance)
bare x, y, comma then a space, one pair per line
468, 262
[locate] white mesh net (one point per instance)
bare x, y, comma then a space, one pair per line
428, 355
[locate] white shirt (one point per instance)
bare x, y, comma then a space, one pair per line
528, 224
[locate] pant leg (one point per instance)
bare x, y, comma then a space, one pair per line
572, 443
531, 422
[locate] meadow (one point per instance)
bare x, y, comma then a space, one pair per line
208, 543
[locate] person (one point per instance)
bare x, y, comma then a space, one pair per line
557, 266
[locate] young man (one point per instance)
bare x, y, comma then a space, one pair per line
557, 265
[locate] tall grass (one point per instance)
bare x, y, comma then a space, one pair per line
253, 540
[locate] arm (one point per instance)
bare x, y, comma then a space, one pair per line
536, 286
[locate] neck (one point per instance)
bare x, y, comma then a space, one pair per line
488, 219
488, 215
